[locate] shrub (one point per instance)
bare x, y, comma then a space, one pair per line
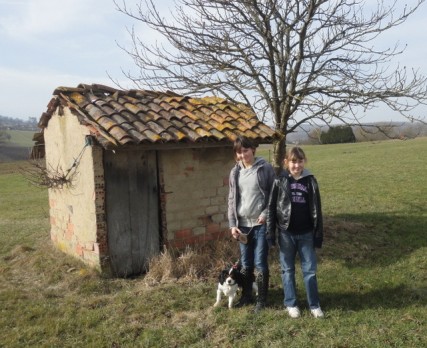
337, 135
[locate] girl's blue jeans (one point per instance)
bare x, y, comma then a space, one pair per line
290, 245
254, 254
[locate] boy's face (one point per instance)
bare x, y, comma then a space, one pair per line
246, 155
295, 167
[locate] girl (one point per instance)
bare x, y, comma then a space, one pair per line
294, 209
250, 183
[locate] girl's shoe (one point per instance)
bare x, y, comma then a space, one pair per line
293, 312
317, 313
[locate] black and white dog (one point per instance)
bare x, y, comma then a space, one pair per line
229, 281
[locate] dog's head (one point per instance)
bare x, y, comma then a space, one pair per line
231, 276
236, 276
222, 278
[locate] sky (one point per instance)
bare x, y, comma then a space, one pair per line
45, 44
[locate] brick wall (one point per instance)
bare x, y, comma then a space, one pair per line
194, 190
101, 241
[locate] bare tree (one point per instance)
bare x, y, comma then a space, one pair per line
292, 61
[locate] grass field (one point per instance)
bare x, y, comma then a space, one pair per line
372, 271
21, 137
19, 146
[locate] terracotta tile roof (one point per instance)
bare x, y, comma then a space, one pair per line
119, 117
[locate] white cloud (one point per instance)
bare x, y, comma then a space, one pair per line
26, 20
29, 92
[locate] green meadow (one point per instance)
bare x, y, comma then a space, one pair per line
17, 147
372, 270
21, 137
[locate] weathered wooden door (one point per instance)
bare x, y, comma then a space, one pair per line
132, 209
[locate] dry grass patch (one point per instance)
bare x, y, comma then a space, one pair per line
193, 263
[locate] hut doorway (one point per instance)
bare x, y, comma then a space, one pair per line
132, 209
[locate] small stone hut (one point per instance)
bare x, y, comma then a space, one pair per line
140, 170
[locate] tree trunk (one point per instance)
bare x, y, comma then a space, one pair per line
279, 151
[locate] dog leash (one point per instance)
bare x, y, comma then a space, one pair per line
243, 237
234, 266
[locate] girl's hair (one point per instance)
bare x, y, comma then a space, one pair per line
294, 153
242, 141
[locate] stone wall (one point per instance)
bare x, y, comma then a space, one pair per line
73, 208
194, 190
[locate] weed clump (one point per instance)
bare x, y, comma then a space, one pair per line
193, 263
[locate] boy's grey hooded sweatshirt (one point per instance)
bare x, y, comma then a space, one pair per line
256, 182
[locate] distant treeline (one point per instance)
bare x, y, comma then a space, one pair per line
10, 123
347, 134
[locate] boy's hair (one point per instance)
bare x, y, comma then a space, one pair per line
242, 141
294, 153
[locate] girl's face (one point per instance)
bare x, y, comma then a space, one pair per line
295, 166
246, 155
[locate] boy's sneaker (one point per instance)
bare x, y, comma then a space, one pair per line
293, 312
317, 313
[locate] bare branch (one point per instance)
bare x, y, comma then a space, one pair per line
53, 178
293, 61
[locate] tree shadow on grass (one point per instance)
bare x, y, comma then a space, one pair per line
368, 242
388, 297
372, 239
11, 153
